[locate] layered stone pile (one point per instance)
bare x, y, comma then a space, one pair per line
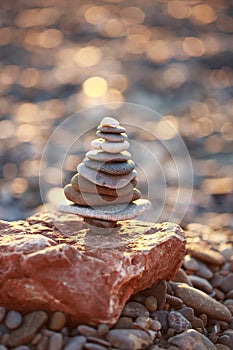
104, 189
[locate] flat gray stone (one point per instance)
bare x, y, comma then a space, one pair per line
83, 185
111, 212
102, 179
115, 130
111, 136
108, 157
92, 199
111, 168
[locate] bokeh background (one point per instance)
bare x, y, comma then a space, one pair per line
58, 57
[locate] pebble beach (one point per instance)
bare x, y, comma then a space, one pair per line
194, 311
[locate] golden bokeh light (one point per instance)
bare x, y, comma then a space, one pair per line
132, 15
167, 128
202, 127
19, 185
26, 112
50, 38
114, 28
36, 17
174, 77
214, 144
158, 51
218, 186
7, 129
26, 132
118, 81
139, 34
97, 15
88, 56
227, 131
113, 95
29, 77
193, 46
53, 176
95, 87
203, 14
56, 195
178, 9
220, 78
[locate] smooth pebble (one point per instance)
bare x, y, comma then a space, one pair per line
191, 339
55, 342
76, 343
151, 303
134, 309
201, 302
110, 147
201, 283
58, 321
130, 339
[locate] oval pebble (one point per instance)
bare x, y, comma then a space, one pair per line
112, 137
151, 303
109, 122
58, 321
203, 270
144, 322
55, 342
229, 304
206, 255
156, 325
191, 339
162, 317
201, 283
13, 319
87, 330
76, 343
102, 329
110, 147
134, 309
124, 322
110, 168
227, 283
190, 263
108, 157
201, 302
130, 339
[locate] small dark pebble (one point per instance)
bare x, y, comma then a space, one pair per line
134, 309
87, 330
76, 343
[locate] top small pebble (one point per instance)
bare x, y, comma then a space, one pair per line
109, 122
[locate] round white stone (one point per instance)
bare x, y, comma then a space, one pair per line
97, 143
110, 147
109, 122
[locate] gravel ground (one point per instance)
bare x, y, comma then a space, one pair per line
191, 312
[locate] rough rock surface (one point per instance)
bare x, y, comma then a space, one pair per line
51, 262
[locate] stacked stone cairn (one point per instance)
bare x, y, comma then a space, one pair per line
104, 189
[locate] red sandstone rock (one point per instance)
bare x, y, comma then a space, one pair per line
56, 264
